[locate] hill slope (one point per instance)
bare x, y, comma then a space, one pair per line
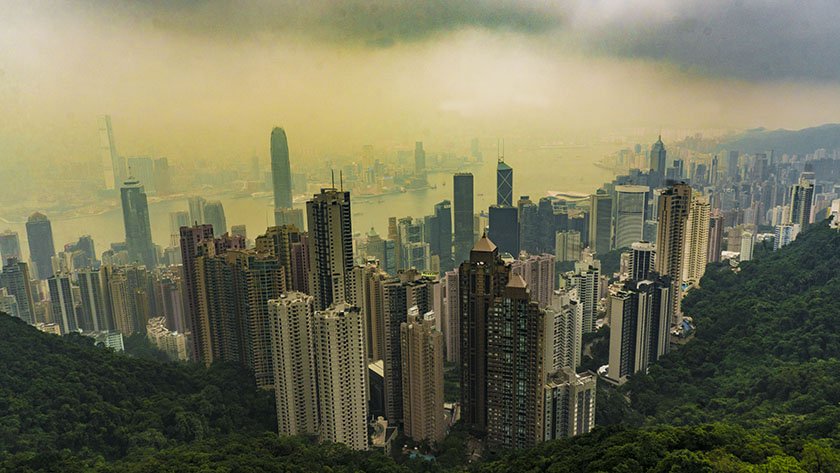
758, 389
798, 142
60, 393
767, 346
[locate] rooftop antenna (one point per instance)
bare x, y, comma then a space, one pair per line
332, 174
341, 179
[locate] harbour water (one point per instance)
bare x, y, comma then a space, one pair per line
536, 172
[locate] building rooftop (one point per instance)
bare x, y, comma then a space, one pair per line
484, 245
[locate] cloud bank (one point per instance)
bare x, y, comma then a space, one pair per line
754, 40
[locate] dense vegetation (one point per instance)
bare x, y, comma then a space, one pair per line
756, 390
766, 349
64, 394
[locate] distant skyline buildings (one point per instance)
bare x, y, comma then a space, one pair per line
113, 166
9, 245
41, 245
281, 172
463, 213
504, 183
138, 231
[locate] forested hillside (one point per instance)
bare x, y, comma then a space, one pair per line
757, 389
767, 349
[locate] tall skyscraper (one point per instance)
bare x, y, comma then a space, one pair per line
642, 257
96, 310
569, 404
600, 222
658, 162
696, 240
801, 203
41, 244
463, 216
342, 376
713, 171
529, 221
481, 279
732, 165
419, 159
629, 207
281, 172
221, 321
138, 231
414, 251
538, 271
640, 317
504, 228
587, 279
214, 214
9, 245
715, 237
191, 240
63, 304
422, 377
408, 290
440, 232
257, 279
176, 221
504, 184
747, 243
451, 318
672, 212
15, 279
197, 204
82, 252
330, 246
113, 167
563, 331
515, 372
293, 351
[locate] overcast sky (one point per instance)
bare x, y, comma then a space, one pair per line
210, 79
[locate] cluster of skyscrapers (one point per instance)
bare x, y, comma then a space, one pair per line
356, 333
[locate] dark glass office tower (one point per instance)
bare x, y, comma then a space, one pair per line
504, 228
515, 335
528, 225
658, 163
463, 215
41, 245
504, 184
138, 230
600, 222
440, 235
330, 246
214, 214
480, 280
281, 173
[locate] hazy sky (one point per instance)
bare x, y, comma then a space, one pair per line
209, 79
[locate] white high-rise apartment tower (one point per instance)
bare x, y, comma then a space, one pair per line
341, 367
293, 355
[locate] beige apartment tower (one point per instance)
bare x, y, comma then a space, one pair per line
422, 377
696, 240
